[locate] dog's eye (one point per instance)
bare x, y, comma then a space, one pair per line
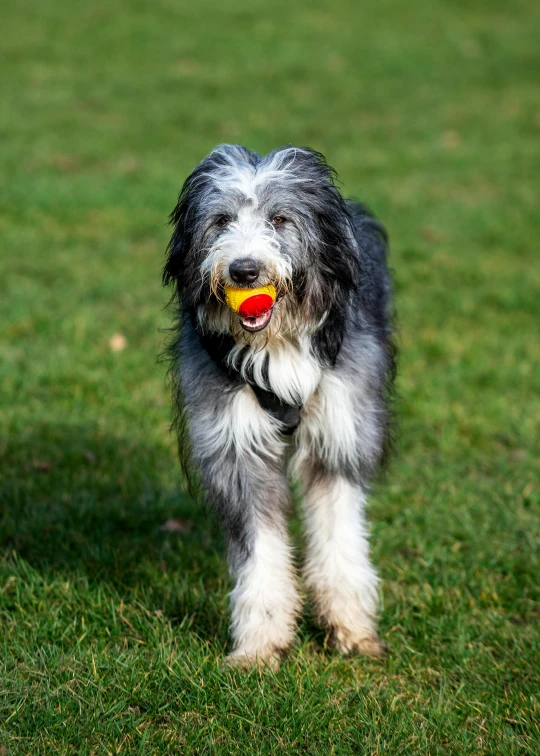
223, 220
277, 220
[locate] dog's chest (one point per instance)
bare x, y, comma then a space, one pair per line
287, 369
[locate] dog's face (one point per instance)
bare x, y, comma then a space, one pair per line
252, 234
248, 221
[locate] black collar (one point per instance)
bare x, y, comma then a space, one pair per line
218, 347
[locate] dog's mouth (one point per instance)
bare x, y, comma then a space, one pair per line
258, 322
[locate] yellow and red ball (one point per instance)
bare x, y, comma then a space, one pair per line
250, 303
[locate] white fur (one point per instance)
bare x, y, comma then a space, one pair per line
328, 429
245, 427
265, 599
293, 371
245, 178
338, 569
339, 423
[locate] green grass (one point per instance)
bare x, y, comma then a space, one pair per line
112, 631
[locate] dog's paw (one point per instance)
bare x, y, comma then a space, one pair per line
367, 643
246, 660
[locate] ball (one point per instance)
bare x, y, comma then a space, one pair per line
250, 303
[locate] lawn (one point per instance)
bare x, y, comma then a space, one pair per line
112, 629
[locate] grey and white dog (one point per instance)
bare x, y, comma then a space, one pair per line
301, 391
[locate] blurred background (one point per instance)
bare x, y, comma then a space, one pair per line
429, 111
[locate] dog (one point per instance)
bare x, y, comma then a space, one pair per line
301, 391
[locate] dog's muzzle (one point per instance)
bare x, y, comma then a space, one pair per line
254, 307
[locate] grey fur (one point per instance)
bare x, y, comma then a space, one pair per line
328, 261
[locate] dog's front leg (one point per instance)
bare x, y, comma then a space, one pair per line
334, 445
264, 600
240, 457
338, 569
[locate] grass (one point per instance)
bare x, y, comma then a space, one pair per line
112, 630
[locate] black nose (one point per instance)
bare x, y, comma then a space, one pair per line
244, 270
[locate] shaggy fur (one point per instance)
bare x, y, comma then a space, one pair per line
305, 396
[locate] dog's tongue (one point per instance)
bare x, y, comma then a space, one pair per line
256, 305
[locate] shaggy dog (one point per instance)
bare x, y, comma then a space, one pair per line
300, 390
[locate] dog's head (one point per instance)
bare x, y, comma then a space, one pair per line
247, 221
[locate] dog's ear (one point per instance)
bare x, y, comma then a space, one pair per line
337, 254
333, 252
329, 292
184, 221
180, 243
333, 245
352, 257
335, 261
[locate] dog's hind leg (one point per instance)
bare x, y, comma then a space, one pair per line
338, 569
